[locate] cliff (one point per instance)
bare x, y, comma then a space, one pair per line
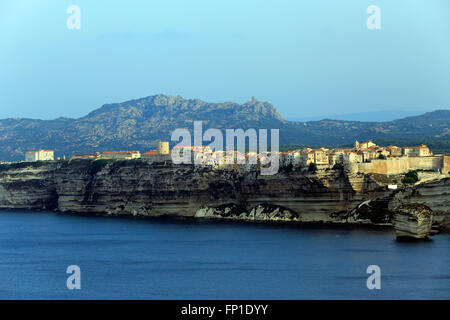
435, 194
140, 188
413, 221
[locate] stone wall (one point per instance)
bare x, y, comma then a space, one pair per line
426, 163
446, 167
399, 165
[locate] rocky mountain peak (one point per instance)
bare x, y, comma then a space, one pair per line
137, 124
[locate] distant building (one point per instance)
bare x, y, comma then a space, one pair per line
317, 156
148, 155
196, 151
121, 155
292, 157
368, 154
383, 152
161, 154
307, 156
162, 147
321, 156
351, 157
394, 151
335, 157
420, 151
85, 156
154, 156
366, 145
41, 155
371, 151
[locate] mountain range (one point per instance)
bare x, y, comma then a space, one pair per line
138, 124
371, 116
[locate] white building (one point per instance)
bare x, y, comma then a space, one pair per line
85, 156
420, 151
292, 157
121, 155
41, 155
351, 157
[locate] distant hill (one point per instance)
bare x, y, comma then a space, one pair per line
371, 116
138, 124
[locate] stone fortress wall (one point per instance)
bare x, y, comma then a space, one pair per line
397, 165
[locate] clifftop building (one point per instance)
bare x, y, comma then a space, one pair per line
317, 156
41, 155
163, 147
121, 155
161, 154
85, 156
420, 151
366, 144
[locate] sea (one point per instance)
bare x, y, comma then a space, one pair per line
68, 256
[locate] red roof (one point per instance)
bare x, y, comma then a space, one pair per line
120, 152
419, 147
84, 155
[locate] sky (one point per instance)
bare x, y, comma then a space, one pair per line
307, 58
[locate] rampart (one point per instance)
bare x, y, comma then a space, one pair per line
397, 165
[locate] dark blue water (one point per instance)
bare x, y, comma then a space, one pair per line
152, 259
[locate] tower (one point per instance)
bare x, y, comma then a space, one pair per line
163, 147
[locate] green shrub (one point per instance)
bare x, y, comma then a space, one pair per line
338, 166
312, 167
410, 178
98, 165
287, 168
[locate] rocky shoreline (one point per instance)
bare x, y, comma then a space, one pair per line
143, 189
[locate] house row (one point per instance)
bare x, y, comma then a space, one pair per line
161, 153
361, 152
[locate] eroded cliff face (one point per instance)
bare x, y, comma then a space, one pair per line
29, 187
413, 221
141, 188
434, 194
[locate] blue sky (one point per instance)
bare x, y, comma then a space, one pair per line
308, 58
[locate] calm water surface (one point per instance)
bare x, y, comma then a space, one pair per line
157, 259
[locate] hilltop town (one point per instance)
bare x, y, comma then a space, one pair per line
364, 157
306, 188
